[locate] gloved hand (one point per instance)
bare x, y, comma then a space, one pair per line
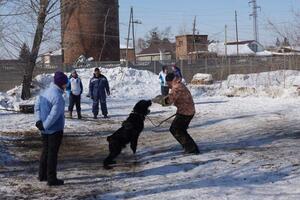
92, 97
39, 125
164, 101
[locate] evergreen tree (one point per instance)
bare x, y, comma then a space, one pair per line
278, 43
285, 42
24, 53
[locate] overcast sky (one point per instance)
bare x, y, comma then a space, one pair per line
212, 15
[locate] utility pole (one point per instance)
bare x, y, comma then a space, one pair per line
131, 26
225, 41
128, 36
255, 16
194, 32
237, 34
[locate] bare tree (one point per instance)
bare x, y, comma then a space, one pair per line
43, 11
290, 31
155, 34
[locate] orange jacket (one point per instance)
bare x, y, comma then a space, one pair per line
182, 99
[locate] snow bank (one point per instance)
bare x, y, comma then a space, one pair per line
199, 79
125, 83
282, 83
273, 84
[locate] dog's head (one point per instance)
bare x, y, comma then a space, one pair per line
142, 107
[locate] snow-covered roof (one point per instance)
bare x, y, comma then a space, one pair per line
124, 46
244, 49
57, 52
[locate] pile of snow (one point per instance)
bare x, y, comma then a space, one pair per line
200, 78
282, 83
128, 83
125, 83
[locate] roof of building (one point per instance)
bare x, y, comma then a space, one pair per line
124, 46
191, 35
57, 52
240, 42
243, 47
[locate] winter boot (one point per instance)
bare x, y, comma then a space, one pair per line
42, 179
70, 114
79, 115
56, 182
107, 162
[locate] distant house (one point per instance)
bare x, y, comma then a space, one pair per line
188, 46
241, 48
51, 59
157, 50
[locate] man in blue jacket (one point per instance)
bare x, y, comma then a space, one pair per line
99, 87
50, 120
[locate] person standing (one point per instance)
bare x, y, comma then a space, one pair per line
177, 72
49, 113
76, 89
183, 100
99, 87
162, 78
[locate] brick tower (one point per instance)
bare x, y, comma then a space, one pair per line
90, 28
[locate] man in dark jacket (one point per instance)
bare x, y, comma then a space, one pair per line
99, 87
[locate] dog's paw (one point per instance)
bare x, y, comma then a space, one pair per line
107, 167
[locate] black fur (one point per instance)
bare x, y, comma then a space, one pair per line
128, 133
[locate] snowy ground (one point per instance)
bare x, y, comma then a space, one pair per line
249, 150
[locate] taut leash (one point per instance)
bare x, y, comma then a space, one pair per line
158, 125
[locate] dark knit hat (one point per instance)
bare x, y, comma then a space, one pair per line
60, 79
170, 77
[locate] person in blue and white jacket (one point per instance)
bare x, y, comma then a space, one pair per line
50, 120
162, 78
75, 87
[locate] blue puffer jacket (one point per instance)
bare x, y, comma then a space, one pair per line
97, 87
49, 108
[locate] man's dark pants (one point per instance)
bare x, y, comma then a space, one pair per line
179, 128
74, 99
96, 107
164, 90
48, 160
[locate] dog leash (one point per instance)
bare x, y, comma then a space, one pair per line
158, 125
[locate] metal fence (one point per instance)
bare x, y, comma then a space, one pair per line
219, 67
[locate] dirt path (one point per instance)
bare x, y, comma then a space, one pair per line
234, 143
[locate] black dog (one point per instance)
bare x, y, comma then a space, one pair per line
128, 133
